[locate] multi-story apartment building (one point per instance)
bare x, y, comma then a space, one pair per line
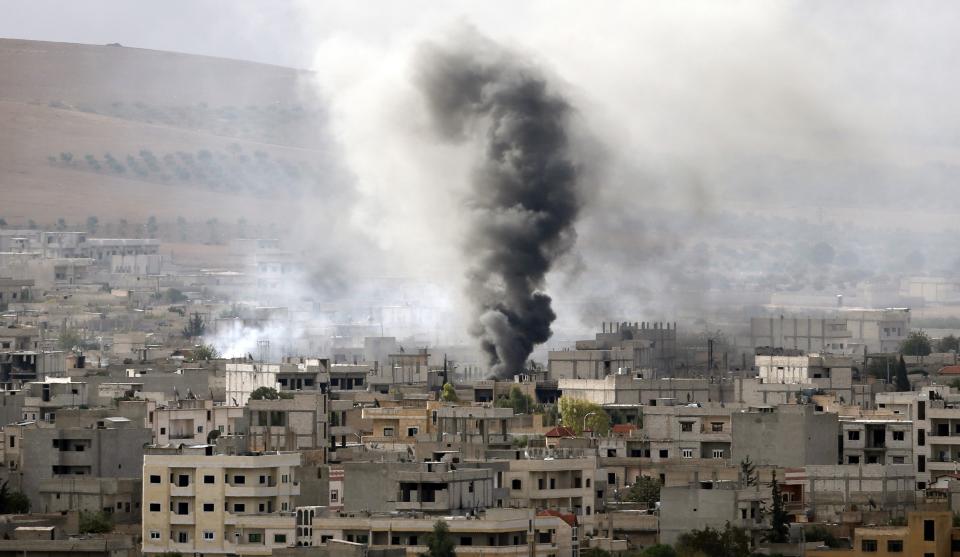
876, 440
570, 482
196, 501
35, 453
191, 421
288, 424
933, 450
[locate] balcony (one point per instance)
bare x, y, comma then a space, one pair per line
262, 490
185, 491
277, 520
181, 518
943, 439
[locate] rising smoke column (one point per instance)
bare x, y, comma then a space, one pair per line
524, 195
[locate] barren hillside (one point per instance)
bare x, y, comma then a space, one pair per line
116, 132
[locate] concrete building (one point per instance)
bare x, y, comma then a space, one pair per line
825, 492
927, 534
510, 532
648, 349
288, 424
813, 436
846, 331
191, 421
712, 504
242, 378
199, 502
876, 440
112, 448
570, 483
14, 291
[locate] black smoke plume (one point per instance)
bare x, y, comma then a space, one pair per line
524, 194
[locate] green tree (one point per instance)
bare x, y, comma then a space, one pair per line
520, 403
264, 393
205, 352
448, 393
152, 227
818, 533
574, 412
95, 523
779, 525
645, 490
729, 542
822, 254
879, 366
659, 550
70, 339
917, 343
92, 223
175, 296
13, 502
748, 473
595, 552
439, 542
902, 381
195, 326
948, 343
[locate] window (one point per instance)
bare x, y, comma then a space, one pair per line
208, 535
239, 507
279, 538
208, 479
183, 508
929, 531
898, 436
208, 507
182, 537
154, 478
395, 540
154, 534
611, 478
921, 437
284, 478
515, 484
154, 507
334, 495
255, 538
921, 410
716, 426
13, 441
466, 540
183, 480
868, 546
413, 540
388, 432
664, 453
921, 465
687, 453
686, 426
894, 546
199, 429
240, 480
263, 479
853, 459
853, 435
897, 460
163, 431
718, 453
412, 431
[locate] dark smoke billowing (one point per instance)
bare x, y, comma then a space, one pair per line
524, 199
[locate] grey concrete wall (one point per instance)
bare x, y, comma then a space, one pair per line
790, 436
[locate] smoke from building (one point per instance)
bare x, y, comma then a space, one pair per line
523, 201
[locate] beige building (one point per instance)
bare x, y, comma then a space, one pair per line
198, 502
190, 421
